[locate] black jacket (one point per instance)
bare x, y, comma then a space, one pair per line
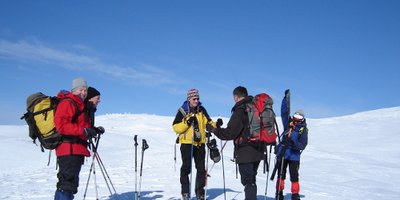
237, 130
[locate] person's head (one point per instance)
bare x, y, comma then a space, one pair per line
93, 96
239, 93
193, 97
298, 116
79, 87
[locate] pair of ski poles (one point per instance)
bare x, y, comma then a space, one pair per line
96, 158
144, 147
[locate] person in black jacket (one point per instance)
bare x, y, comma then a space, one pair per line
247, 156
91, 102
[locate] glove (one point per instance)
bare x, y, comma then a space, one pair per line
90, 132
219, 122
210, 128
100, 129
190, 120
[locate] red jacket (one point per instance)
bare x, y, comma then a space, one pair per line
63, 121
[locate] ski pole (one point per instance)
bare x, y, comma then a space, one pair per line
101, 166
88, 179
191, 158
136, 144
175, 157
144, 147
223, 170
92, 166
207, 155
268, 164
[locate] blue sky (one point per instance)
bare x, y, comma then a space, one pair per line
337, 57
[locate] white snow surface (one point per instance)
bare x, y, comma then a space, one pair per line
349, 157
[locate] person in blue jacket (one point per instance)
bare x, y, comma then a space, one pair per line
293, 142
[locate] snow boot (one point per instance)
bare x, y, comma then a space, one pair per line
62, 195
279, 195
295, 197
250, 191
295, 190
200, 197
185, 196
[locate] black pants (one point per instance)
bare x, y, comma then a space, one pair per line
199, 160
293, 170
68, 173
248, 173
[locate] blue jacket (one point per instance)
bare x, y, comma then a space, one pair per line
295, 136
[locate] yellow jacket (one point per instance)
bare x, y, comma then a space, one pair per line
185, 132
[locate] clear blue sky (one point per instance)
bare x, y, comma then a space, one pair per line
338, 57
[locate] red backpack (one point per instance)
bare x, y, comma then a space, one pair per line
261, 119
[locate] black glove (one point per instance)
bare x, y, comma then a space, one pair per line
100, 129
210, 128
190, 120
90, 132
219, 122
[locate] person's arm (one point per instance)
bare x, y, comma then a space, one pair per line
300, 142
180, 124
234, 127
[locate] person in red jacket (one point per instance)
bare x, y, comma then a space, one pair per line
76, 129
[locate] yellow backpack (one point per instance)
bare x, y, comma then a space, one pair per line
40, 119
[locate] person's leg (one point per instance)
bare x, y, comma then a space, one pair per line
280, 182
68, 176
185, 169
248, 174
199, 159
294, 179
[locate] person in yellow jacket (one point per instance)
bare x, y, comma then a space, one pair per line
190, 125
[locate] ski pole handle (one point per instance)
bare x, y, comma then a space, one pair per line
144, 145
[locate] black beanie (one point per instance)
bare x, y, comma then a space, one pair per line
92, 92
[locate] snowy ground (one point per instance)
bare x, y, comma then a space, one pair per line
349, 157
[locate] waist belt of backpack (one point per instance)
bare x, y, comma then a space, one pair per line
74, 139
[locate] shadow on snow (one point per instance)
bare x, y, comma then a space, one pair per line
213, 193
144, 195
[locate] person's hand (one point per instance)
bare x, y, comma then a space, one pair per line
190, 120
219, 122
100, 129
90, 132
210, 128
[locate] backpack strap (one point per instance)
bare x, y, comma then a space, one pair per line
74, 139
182, 111
77, 111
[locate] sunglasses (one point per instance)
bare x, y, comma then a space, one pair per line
196, 99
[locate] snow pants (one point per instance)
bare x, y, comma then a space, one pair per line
248, 173
68, 173
199, 155
294, 176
